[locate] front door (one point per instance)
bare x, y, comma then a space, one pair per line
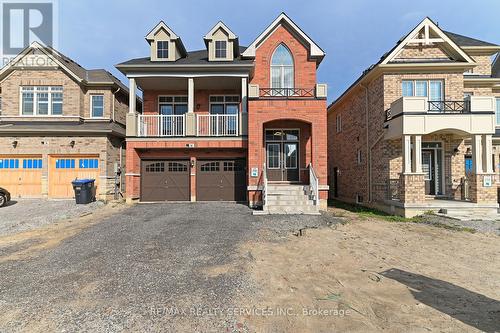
282, 152
428, 169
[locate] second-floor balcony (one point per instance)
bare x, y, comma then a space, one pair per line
319, 91
419, 115
202, 125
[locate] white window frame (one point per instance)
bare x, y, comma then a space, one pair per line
92, 106
225, 102
225, 49
338, 123
497, 111
173, 103
282, 72
428, 82
163, 49
50, 90
279, 155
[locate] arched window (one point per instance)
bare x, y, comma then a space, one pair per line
282, 68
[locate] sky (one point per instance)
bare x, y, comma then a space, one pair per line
353, 33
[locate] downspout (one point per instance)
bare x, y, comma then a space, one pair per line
368, 151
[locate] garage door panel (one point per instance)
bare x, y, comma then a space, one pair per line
21, 175
221, 180
66, 168
165, 180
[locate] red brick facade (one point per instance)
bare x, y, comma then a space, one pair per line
308, 114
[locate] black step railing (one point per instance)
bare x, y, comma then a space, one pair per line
449, 106
287, 92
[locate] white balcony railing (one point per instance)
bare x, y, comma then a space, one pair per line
217, 125
161, 125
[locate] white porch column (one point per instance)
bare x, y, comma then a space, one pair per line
477, 165
131, 97
244, 87
190, 95
406, 154
487, 153
417, 154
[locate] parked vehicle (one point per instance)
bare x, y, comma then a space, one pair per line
4, 197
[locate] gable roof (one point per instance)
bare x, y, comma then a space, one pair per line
72, 68
173, 36
314, 50
383, 59
428, 26
220, 25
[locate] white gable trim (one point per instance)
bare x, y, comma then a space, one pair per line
314, 49
220, 25
428, 25
38, 46
151, 35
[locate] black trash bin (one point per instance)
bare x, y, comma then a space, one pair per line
84, 190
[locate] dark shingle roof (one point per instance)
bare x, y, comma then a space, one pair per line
87, 75
199, 57
461, 40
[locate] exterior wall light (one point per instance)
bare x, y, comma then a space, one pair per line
14, 144
72, 143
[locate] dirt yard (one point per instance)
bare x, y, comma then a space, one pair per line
370, 275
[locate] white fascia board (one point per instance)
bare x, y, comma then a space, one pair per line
435, 28
314, 49
161, 25
220, 25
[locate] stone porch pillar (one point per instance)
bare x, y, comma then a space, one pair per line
482, 180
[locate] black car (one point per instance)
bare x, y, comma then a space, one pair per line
4, 197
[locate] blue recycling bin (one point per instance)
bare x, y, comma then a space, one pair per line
84, 190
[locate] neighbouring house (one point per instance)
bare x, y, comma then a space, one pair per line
418, 130
58, 122
229, 123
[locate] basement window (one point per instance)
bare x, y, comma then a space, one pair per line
359, 198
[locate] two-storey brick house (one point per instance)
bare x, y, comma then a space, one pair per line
58, 122
418, 126
229, 123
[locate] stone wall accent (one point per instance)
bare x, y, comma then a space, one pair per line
412, 188
76, 98
479, 193
422, 52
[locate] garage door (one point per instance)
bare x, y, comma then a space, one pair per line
21, 175
64, 169
165, 180
221, 180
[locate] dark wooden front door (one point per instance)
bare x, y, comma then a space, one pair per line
165, 180
428, 169
221, 180
282, 155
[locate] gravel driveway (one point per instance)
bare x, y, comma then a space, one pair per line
151, 267
25, 214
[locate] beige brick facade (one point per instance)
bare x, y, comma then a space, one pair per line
379, 177
77, 112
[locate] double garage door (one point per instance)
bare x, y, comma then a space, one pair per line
216, 180
21, 175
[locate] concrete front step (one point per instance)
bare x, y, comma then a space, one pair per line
274, 196
292, 210
286, 192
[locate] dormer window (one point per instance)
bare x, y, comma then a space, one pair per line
220, 49
162, 49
